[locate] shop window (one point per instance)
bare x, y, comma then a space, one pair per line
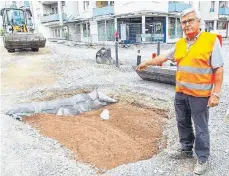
101, 31
155, 27
172, 28
106, 30
179, 29
209, 26
110, 30
222, 25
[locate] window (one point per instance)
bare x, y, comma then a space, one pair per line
178, 28
222, 25
223, 4
110, 30
175, 30
52, 10
15, 17
86, 30
85, 5
101, 31
57, 33
100, 4
14, 4
209, 26
172, 28
26, 3
106, 30
212, 6
84, 27
111, 3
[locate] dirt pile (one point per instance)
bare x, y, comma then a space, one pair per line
131, 134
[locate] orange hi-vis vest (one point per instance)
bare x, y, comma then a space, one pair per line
194, 74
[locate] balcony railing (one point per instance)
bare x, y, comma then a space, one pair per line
53, 17
224, 11
178, 6
103, 11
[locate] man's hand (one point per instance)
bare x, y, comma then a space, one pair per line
141, 67
213, 101
158, 60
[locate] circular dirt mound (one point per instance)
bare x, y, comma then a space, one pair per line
131, 134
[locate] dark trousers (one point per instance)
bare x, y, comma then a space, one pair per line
190, 108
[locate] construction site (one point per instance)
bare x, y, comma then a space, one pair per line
42, 135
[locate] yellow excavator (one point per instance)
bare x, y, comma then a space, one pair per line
18, 31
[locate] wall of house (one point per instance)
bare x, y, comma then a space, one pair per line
76, 9
94, 31
88, 12
74, 31
205, 10
50, 9
47, 33
71, 8
121, 7
37, 11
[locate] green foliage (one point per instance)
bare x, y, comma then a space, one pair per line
1, 32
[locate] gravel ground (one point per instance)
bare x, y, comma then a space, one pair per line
25, 152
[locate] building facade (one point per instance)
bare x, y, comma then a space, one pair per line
135, 21
215, 14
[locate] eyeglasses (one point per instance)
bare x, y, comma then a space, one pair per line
190, 21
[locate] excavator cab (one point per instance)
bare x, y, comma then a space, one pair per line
18, 30
14, 20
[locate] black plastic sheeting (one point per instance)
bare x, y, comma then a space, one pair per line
67, 106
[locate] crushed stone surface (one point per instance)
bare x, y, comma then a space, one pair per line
24, 151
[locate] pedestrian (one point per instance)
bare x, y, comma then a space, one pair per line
199, 77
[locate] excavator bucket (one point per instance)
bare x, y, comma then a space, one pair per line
164, 74
14, 41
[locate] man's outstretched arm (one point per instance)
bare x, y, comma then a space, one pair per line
158, 60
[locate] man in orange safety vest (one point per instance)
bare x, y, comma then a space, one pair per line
199, 78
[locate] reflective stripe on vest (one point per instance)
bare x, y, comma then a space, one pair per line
195, 86
195, 70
